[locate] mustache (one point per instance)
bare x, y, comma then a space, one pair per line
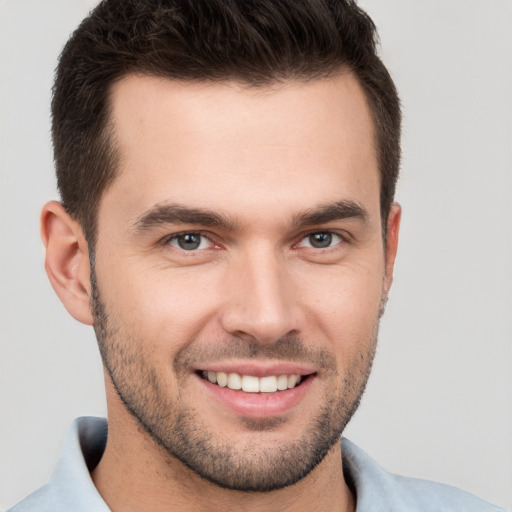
287, 348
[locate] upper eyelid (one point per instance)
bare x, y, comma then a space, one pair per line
335, 233
166, 239
200, 232
344, 235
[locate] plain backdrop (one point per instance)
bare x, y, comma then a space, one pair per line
439, 402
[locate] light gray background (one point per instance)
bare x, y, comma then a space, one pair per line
439, 403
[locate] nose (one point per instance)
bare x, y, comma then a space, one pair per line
261, 303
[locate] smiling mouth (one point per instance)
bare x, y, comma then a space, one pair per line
252, 384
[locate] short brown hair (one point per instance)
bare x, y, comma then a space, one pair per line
253, 41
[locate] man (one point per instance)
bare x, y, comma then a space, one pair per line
227, 225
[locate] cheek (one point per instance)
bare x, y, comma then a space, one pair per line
165, 309
168, 308
345, 304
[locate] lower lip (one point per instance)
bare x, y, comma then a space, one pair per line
258, 405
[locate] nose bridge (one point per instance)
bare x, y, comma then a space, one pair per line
260, 302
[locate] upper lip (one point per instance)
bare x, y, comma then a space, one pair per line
263, 369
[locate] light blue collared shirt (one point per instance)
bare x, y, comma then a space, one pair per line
71, 489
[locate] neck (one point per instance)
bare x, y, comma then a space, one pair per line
136, 474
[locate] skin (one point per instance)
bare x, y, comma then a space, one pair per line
262, 159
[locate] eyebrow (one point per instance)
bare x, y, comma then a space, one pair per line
178, 214
340, 210
162, 214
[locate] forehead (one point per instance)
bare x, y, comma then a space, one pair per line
211, 143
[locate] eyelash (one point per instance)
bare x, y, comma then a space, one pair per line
341, 239
167, 240
330, 234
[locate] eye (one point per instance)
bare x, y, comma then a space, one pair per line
321, 240
189, 241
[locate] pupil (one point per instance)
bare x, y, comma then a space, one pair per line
189, 241
320, 240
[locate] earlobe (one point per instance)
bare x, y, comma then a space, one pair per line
393, 229
67, 260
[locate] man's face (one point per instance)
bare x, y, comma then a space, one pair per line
241, 245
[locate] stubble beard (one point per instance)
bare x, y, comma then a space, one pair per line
184, 436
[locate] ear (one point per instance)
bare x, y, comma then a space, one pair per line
393, 228
67, 260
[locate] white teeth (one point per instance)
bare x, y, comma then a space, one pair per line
252, 384
268, 384
222, 379
282, 382
292, 381
234, 381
